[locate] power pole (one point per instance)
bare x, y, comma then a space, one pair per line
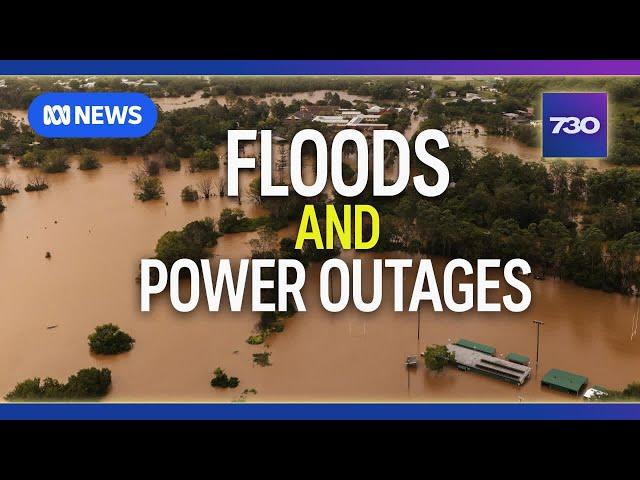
418, 341
538, 323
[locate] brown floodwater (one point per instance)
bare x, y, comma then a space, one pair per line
173, 103
482, 143
97, 233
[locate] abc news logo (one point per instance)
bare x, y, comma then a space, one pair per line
91, 115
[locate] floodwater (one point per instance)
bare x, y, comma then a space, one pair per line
481, 143
97, 233
173, 103
20, 115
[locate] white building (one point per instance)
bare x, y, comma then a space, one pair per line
337, 120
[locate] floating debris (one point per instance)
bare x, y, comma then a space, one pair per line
47, 255
51, 327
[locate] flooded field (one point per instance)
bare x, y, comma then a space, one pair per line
97, 233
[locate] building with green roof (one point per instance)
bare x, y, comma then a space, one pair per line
478, 347
564, 381
517, 358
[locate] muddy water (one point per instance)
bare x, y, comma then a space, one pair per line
173, 103
97, 233
481, 143
20, 115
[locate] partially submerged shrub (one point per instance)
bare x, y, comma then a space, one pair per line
86, 384
32, 159
89, 161
36, 184
172, 162
4, 160
222, 380
108, 339
234, 221
190, 242
257, 339
189, 194
56, 161
2, 207
204, 160
149, 188
152, 168
8, 186
262, 359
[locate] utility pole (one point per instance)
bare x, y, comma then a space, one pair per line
418, 340
538, 323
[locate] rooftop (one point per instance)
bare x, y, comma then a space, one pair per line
562, 380
468, 359
517, 358
479, 347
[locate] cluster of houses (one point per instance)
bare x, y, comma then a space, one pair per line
344, 117
452, 96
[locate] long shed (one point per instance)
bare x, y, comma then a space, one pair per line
564, 381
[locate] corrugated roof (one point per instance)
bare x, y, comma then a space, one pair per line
479, 347
565, 380
517, 358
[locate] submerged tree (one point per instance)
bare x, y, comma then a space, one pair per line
205, 185
149, 188
32, 159
36, 184
8, 186
108, 339
436, 357
55, 161
152, 168
89, 161
189, 194
222, 380
191, 242
221, 186
204, 160
86, 384
172, 162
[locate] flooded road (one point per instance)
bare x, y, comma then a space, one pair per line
97, 233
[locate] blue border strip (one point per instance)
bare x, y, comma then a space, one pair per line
306, 411
320, 67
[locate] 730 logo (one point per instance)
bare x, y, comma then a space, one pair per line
574, 125
588, 125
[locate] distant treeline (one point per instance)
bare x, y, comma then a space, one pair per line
187, 130
18, 92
